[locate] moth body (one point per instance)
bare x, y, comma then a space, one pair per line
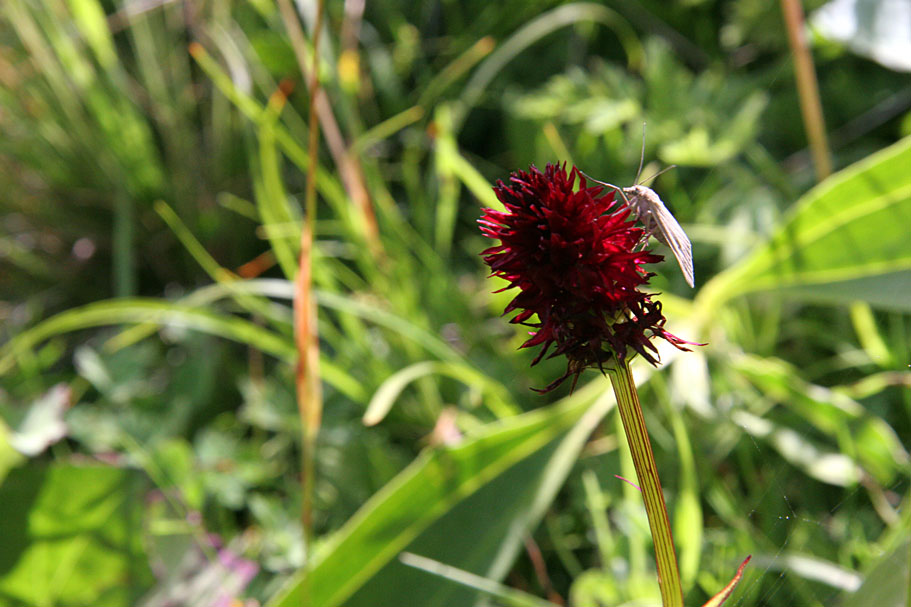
658, 222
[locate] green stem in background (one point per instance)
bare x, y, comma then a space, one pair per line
807, 88
309, 395
908, 596
123, 246
647, 473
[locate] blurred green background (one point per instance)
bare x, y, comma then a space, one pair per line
151, 207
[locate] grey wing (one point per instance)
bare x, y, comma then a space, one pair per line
675, 238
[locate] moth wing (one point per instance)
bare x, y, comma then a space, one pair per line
676, 239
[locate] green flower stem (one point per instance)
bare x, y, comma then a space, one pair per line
647, 472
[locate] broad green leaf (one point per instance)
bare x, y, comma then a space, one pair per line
886, 585
467, 506
71, 536
845, 240
484, 533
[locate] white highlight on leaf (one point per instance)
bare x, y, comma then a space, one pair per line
878, 29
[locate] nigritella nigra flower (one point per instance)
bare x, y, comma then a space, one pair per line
578, 261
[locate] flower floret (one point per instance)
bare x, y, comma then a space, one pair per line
577, 259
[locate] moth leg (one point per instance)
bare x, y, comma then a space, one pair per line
649, 227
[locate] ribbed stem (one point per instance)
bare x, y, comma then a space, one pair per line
647, 472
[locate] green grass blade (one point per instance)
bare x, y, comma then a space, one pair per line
495, 396
505, 595
447, 204
430, 342
272, 200
139, 310
328, 186
533, 32
215, 271
89, 18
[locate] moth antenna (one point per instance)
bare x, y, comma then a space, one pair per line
659, 173
609, 185
641, 156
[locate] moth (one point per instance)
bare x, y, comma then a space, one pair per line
658, 221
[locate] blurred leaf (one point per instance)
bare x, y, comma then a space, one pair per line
230, 467
513, 504
89, 17
274, 133
829, 467
198, 578
602, 100
71, 536
275, 52
688, 516
696, 148
705, 119
813, 568
869, 336
887, 583
446, 155
867, 438
877, 29
9, 457
99, 121
432, 509
43, 423
177, 468
283, 537
845, 240
598, 587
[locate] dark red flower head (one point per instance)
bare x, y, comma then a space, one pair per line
576, 259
